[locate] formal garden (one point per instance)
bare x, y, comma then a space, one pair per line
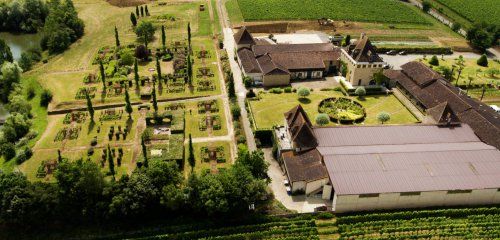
268, 107
206, 118
210, 157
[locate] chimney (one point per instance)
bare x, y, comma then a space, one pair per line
363, 35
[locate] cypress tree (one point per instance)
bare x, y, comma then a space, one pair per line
133, 19
103, 75
90, 108
137, 11
163, 36
117, 38
189, 37
111, 163
153, 94
142, 11
158, 68
136, 73
190, 70
191, 159
147, 11
144, 152
59, 157
230, 86
128, 106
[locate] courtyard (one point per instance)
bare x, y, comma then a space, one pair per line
267, 110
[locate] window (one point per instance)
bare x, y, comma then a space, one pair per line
368, 195
409, 194
359, 82
458, 191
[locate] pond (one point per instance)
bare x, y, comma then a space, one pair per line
19, 43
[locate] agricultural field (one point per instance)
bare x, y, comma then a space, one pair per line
421, 31
467, 223
358, 10
472, 11
269, 109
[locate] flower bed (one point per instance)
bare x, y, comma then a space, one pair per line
78, 117
342, 110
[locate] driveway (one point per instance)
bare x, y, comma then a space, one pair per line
301, 204
397, 60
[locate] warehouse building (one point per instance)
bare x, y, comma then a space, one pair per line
390, 166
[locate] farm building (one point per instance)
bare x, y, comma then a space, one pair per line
273, 64
362, 61
389, 166
432, 94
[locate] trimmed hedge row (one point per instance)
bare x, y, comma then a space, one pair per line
417, 50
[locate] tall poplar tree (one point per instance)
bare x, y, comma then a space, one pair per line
144, 152
163, 36
191, 158
103, 75
133, 19
136, 74
111, 162
90, 108
153, 94
117, 38
128, 105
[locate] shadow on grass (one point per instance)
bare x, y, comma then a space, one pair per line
304, 100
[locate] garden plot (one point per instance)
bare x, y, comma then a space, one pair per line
205, 119
210, 157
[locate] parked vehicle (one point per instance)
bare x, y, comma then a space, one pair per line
391, 52
402, 53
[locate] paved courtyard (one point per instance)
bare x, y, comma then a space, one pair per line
301, 204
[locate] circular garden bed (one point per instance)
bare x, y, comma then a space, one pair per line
342, 110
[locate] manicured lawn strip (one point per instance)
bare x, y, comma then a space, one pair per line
270, 109
351, 10
200, 165
234, 12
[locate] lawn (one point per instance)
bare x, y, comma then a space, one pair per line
349, 10
471, 69
269, 110
201, 165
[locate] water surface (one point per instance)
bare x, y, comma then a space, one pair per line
19, 43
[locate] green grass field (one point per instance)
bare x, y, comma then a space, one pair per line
473, 11
193, 118
269, 110
471, 69
354, 10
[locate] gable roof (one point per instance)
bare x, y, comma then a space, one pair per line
300, 128
419, 73
248, 61
306, 166
269, 67
282, 48
431, 91
243, 36
443, 114
364, 51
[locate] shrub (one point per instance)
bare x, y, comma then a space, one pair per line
235, 111
434, 61
24, 155
30, 92
8, 150
93, 142
482, 61
45, 98
303, 92
360, 91
322, 119
248, 81
456, 26
426, 6
383, 117
276, 90
325, 215
251, 94
90, 151
288, 90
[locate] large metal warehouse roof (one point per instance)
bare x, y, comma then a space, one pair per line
407, 158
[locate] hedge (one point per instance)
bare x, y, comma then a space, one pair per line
417, 50
265, 137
